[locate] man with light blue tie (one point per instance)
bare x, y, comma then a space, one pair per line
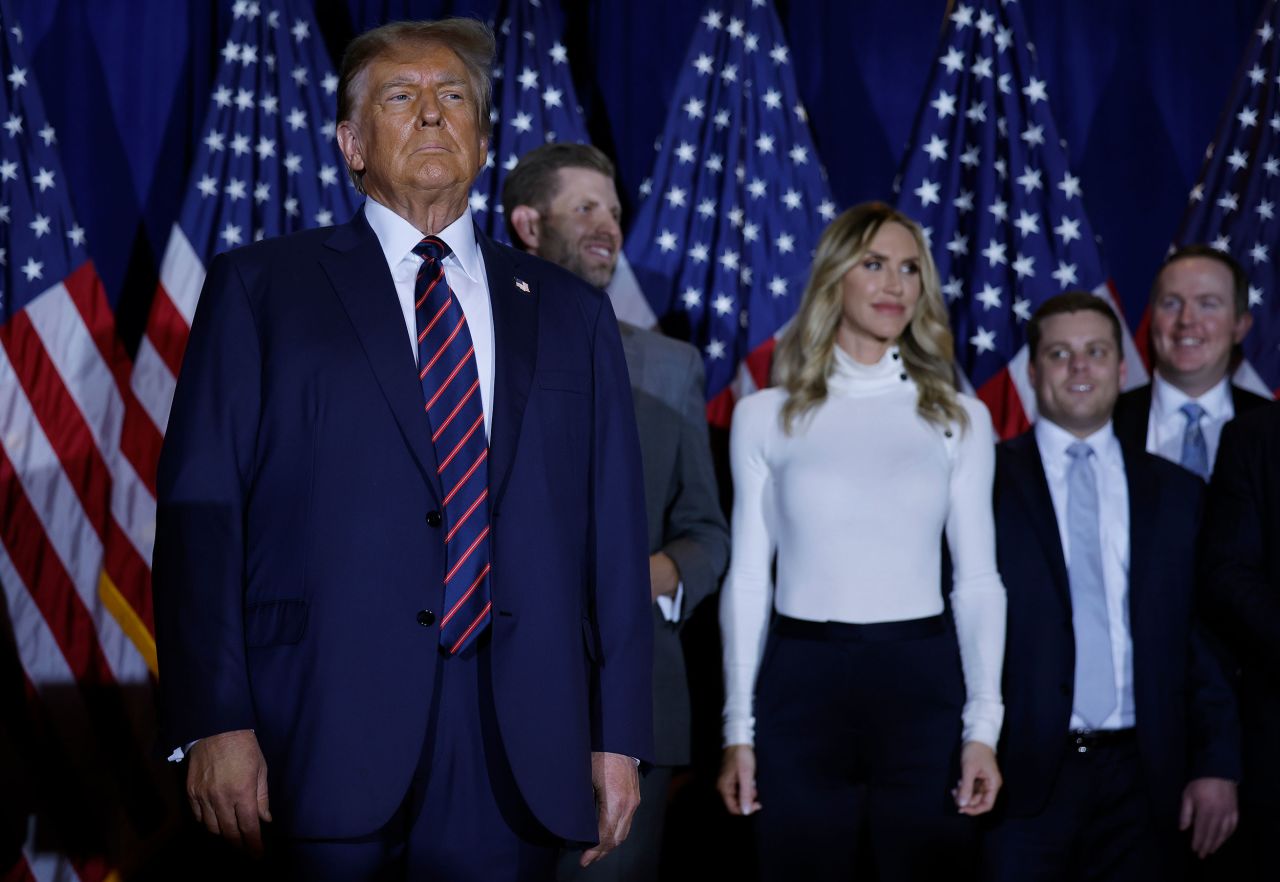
1120, 727
1199, 313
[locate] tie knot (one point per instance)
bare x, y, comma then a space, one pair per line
1192, 412
1079, 451
432, 248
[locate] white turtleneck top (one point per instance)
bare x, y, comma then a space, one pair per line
854, 502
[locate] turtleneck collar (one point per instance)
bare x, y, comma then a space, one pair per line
849, 377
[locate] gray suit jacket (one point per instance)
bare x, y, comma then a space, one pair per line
683, 509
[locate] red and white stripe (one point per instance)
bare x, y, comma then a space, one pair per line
74, 510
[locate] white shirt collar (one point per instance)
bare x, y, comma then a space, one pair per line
1053, 441
1167, 398
398, 238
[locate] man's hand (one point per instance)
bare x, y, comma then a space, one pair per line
664, 577
227, 787
737, 781
617, 784
980, 779
1210, 805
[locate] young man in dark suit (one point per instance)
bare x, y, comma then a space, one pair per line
1119, 725
561, 203
1240, 555
1199, 313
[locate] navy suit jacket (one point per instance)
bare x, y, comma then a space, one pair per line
294, 553
1186, 717
1133, 412
1240, 554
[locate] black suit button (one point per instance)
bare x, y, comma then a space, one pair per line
434, 519
426, 618
1064, 689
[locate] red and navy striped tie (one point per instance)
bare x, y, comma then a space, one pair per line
451, 390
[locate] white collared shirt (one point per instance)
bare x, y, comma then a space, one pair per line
464, 271
1113, 525
1167, 425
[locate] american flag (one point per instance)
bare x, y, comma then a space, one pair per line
987, 176
268, 164
1233, 206
533, 101
723, 239
74, 584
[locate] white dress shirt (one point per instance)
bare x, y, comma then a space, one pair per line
1113, 524
1166, 424
463, 270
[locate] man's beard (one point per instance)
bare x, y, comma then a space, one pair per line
562, 251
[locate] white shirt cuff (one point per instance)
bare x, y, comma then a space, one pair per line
670, 607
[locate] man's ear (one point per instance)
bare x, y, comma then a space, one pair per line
1243, 323
525, 220
349, 144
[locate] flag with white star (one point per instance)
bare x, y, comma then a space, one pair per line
533, 101
723, 238
987, 176
267, 164
1233, 205
74, 581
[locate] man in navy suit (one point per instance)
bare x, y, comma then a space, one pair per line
1119, 726
1240, 558
1199, 314
323, 663
561, 203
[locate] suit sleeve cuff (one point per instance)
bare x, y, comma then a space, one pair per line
671, 607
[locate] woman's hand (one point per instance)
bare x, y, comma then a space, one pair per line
979, 779
737, 781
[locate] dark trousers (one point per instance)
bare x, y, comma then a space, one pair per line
857, 742
1097, 826
463, 818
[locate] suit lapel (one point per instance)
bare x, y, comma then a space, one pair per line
514, 300
1034, 487
358, 270
1144, 518
630, 351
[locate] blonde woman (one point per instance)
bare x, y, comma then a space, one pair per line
851, 720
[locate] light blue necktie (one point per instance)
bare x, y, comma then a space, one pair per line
1095, 686
1195, 453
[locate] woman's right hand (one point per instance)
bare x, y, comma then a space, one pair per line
737, 781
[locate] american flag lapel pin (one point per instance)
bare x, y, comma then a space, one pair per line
522, 285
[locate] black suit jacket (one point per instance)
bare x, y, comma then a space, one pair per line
1133, 412
1240, 555
683, 508
1186, 718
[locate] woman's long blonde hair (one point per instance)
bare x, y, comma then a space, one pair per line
806, 352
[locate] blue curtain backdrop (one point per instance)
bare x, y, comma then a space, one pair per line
1137, 87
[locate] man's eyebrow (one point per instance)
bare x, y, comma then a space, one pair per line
396, 82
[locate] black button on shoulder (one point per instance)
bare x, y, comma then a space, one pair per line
426, 618
434, 519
